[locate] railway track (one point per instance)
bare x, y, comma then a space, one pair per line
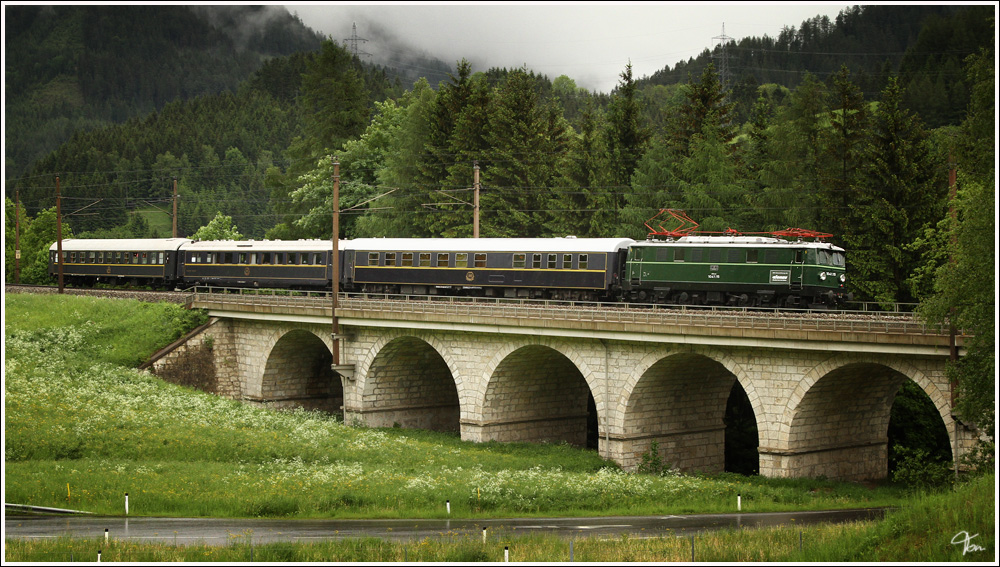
183, 297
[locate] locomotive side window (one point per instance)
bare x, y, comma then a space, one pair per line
442, 260
751, 256
407, 259
770, 256
584, 261
715, 255
480, 260
519, 260
390, 258
663, 254
696, 254
734, 256
373, 258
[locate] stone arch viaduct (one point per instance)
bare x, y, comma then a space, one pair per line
615, 379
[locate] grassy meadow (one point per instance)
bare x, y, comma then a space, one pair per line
82, 428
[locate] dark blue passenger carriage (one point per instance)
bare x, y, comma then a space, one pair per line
141, 261
549, 268
291, 264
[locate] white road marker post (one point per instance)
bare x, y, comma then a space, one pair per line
126, 503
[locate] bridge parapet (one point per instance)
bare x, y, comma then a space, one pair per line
870, 332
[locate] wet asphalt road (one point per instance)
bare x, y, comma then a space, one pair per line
214, 531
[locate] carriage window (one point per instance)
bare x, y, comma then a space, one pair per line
265, 257
93, 255
567, 261
160, 258
390, 258
425, 259
407, 258
751, 256
373, 258
552, 261
461, 260
584, 261
536, 261
519, 260
443, 260
304, 258
100, 257
135, 257
480, 260
243, 258
145, 258
290, 258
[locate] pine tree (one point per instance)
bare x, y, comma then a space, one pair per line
898, 193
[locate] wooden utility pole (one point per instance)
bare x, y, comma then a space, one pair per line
59, 253
17, 237
175, 208
335, 283
475, 202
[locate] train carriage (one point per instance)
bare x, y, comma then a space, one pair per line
549, 268
736, 270
140, 261
294, 264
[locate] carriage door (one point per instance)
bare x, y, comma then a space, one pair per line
798, 267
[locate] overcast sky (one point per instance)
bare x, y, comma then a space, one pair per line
590, 42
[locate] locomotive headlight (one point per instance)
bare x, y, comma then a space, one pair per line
822, 276
843, 278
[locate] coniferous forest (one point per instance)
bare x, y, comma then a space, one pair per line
850, 126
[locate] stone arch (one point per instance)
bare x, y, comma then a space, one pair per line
679, 399
536, 391
297, 373
836, 420
408, 383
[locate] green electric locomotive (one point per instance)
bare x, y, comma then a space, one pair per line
748, 271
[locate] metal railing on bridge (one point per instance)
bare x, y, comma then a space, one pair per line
866, 319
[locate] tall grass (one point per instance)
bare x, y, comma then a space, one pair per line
924, 529
83, 428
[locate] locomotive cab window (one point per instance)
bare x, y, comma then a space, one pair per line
800, 256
